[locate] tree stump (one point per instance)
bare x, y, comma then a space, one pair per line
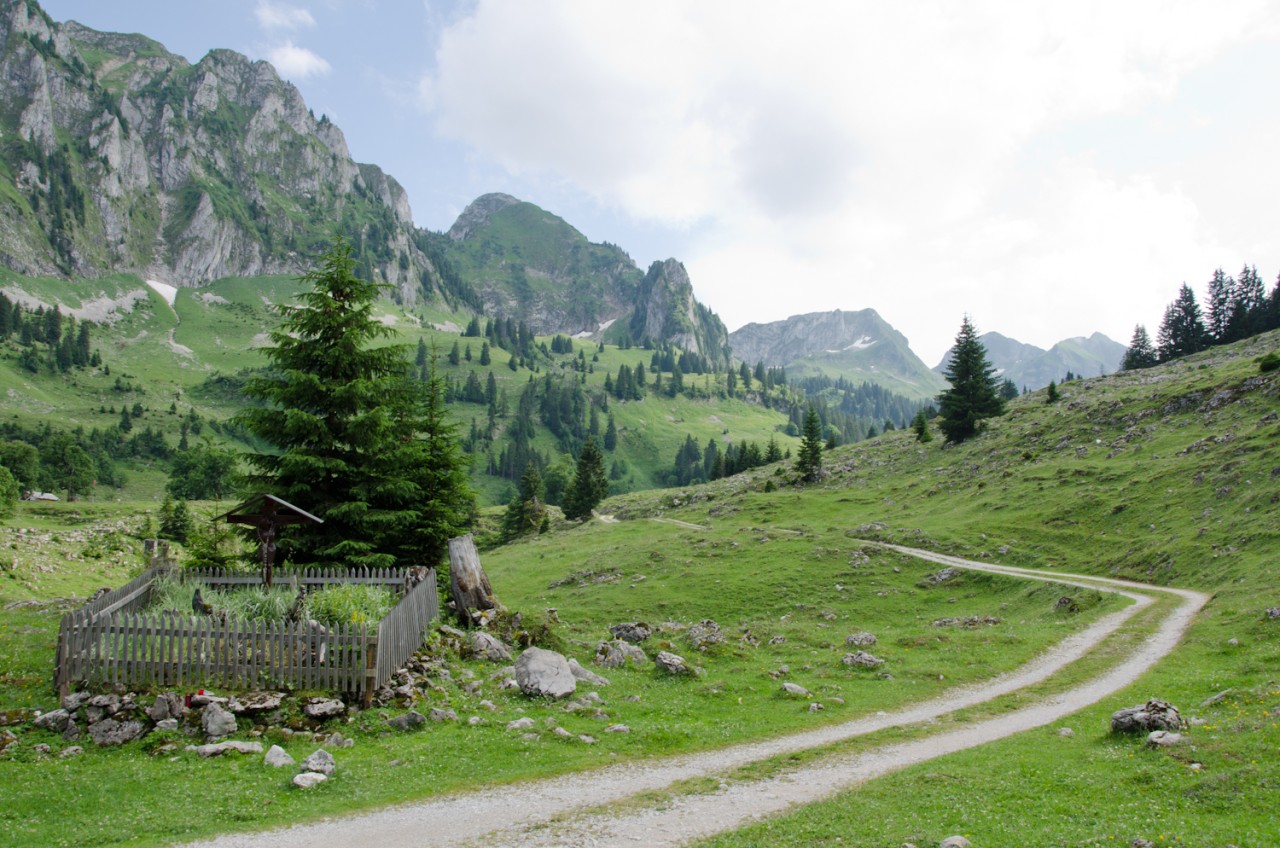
468, 584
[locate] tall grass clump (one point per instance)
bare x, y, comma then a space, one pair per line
350, 603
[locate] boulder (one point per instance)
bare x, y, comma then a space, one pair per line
1153, 715
704, 634
618, 653
408, 721
309, 779
795, 690
617, 728
278, 757
167, 705
438, 714
254, 703
634, 632
860, 640
217, 721
955, 842
321, 761
75, 701
217, 749
337, 740
1163, 739
543, 672
584, 674
323, 708
111, 732
167, 724
525, 723
672, 663
942, 576
862, 659
486, 646
55, 720
1272, 613
70, 751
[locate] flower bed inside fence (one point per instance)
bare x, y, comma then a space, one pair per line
112, 641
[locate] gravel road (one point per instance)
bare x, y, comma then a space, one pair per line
565, 811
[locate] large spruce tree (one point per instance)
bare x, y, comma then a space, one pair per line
1182, 331
974, 394
589, 485
355, 440
1141, 353
809, 459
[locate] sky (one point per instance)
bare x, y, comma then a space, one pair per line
1049, 169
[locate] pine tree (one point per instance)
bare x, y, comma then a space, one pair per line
972, 396
1182, 331
484, 354
1141, 353
527, 510
1218, 303
1052, 395
809, 460
611, 435
354, 440
589, 485
920, 426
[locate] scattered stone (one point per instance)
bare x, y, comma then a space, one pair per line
278, 757
796, 690
672, 663
321, 761
520, 724
618, 653
408, 721
1163, 739
337, 740
1155, 714
216, 721
204, 699
489, 705
1218, 698
111, 732
475, 721
815, 707
1233, 642
255, 703
561, 732
862, 659
967, 621
704, 634
585, 674
587, 739
634, 632
323, 708
543, 672
41, 749
487, 646
167, 724
217, 749
55, 720
617, 728
942, 576
439, 714
955, 842
1066, 732
1067, 604
75, 701
309, 779
860, 640
1272, 613
70, 751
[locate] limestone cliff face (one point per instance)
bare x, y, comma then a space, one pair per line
666, 310
858, 346
128, 158
530, 265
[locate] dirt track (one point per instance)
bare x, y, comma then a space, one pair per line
556, 812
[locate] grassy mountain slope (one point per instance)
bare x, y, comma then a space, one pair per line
1163, 475
186, 360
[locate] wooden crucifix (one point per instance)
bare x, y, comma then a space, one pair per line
267, 513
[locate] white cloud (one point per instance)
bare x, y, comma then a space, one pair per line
272, 16
933, 158
295, 62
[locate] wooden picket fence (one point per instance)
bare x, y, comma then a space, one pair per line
110, 642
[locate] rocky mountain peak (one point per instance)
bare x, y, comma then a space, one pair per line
479, 212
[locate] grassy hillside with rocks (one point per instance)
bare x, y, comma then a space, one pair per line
1165, 476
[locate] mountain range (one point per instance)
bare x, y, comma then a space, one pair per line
119, 157
1031, 367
